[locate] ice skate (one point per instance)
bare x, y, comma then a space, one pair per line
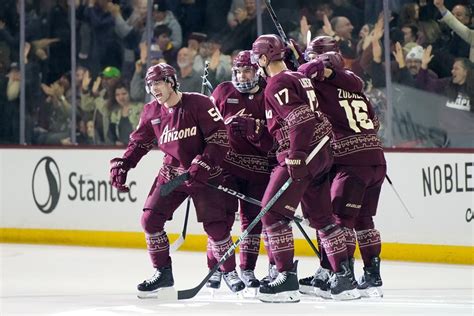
251, 283
342, 284
214, 282
370, 284
318, 284
161, 281
272, 274
233, 281
321, 285
306, 286
283, 289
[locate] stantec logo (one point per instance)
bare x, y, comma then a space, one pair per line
46, 184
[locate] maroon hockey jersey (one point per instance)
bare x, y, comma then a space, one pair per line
192, 127
292, 113
246, 158
352, 117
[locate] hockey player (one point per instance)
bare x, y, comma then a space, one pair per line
191, 133
297, 125
359, 164
246, 165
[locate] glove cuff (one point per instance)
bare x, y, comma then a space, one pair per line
201, 162
121, 163
296, 158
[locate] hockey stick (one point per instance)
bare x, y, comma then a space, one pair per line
178, 242
282, 33
398, 195
171, 185
190, 293
253, 201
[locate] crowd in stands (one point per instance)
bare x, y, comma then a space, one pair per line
431, 43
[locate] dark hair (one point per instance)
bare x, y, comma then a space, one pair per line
453, 89
407, 13
111, 102
161, 29
413, 28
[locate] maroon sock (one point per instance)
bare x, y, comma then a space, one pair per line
219, 248
249, 248
211, 261
350, 236
280, 236
266, 244
334, 244
159, 249
369, 244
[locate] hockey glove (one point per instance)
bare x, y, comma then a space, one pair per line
246, 126
332, 60
295, 162
118, 174
313, 69
198, 171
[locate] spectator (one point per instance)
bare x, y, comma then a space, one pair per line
9, 107
162, 16
410, 33
341, 28
220, 64
457, 116
190, 80
93, 101
459, 88
163, 43
106, 49
56, 114
194, 41
124, 115
130, 31
243, 34
459, 24
410, 14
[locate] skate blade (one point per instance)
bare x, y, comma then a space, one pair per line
283, 297
372, 292
307, 290
346, 295
162, 294
249, 292
322, 294
212, 292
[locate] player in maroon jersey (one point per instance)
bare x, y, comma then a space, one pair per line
294, 121
191, 133
359, 163
246, 165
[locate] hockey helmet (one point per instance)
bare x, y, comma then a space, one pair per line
159, 72
270, 45
320, 45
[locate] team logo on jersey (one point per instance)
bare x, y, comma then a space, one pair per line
174, 134
239, 113
233, 101
268, 114
155, 121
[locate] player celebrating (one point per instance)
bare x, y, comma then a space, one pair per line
191, 133
246, 165
293, 119
359, 164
